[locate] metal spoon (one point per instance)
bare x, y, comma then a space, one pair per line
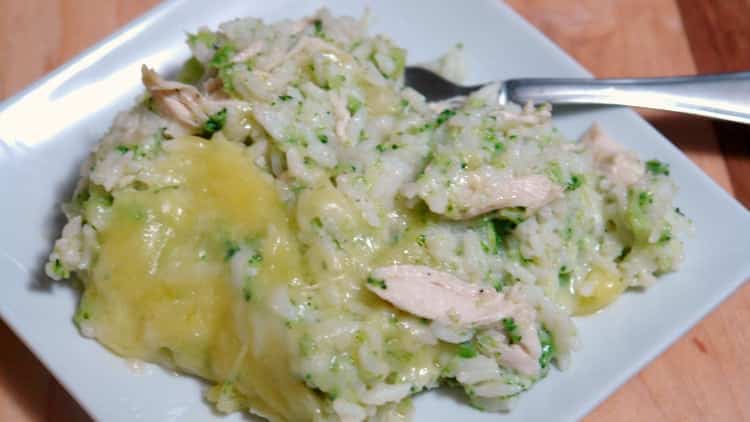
722, 96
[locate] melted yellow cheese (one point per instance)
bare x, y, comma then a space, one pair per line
161, 287
166, 286
606, 288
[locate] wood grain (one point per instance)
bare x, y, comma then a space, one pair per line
703, 377
38, 36
719, 34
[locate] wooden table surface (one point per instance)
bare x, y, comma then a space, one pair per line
705, 376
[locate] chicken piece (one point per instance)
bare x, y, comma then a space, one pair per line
485, 191
618, 164
441, 297
514, 356
342, 116
177, 100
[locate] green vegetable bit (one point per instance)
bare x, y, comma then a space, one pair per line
498, 285
247, 293
490, 243
285, 97
232, 248
511, 330
576, 181
203, 37
636, 215
563, 276
666, 235
377, 282
192, 71
214, 123
466, 350
656, 167
59, 269
444, 116
353, 105
548, 348
222, 62
645, 198
222, 57
318, 25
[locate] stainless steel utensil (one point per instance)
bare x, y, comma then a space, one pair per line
721, 96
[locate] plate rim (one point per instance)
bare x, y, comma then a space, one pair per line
124, 34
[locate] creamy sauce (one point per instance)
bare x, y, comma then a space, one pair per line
161, 288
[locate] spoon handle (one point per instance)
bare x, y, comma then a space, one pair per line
723, 96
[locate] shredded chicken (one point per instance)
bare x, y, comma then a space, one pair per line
620, 165
342, 116
175, 99
514, 356
485, 192
442, 297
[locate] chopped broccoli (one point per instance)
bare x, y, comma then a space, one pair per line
511, 330
214, 123
623, 254
563, 275
59, 269
223, 56
645, 198
377, 282
466, 350
576, 180
222, 62
353, 105
498, 285
247, 293
548, 348
318, 25
232, 248
191, 72
656, 167
666, 235
444, 116
636, 213
490, 243
204, 37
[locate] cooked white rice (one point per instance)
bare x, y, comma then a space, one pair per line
371, 175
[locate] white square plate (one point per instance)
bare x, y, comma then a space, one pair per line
46, 131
